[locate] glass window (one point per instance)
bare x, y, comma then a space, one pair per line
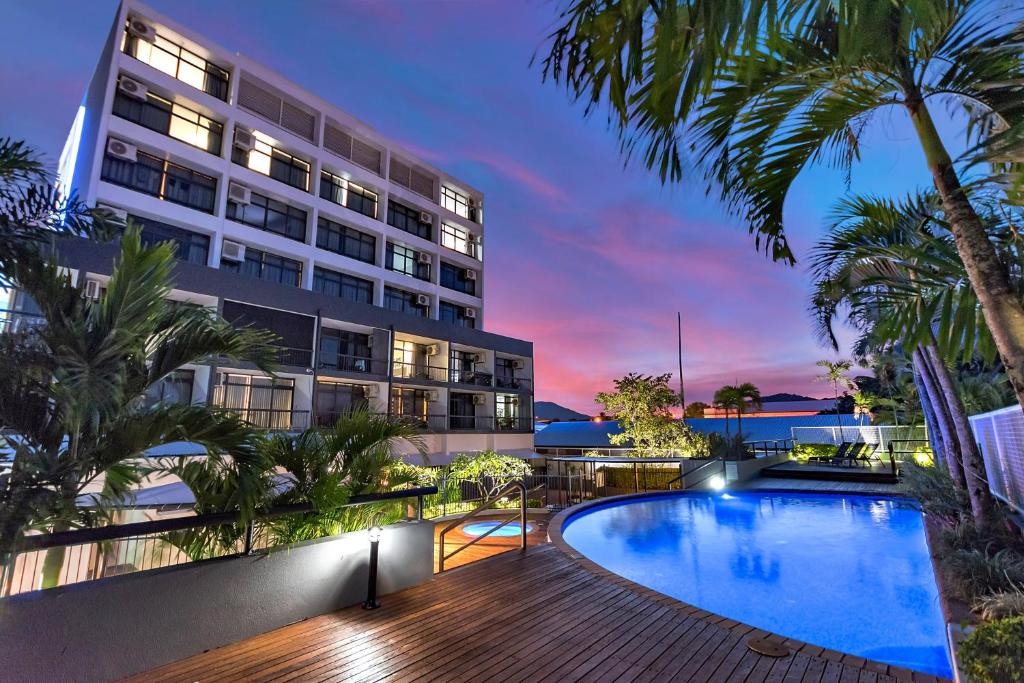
262, 401
462, 241
459, 204
179, 63
455, 314
191, 247
341, 285
408, 219
344, 350
338, 190
406, 261
270, 215
336, 399
265, 266
507, 414
401, 300
175, 388
409, 402
458, 278
271, 161
172, 119
160, 178
346, 241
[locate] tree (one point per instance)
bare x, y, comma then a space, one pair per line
757, 91
835, 374
863, 404
695, 409
642, 404
490, 471
74, 392
737, 397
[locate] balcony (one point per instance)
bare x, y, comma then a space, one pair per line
415, 371
470, 423
162, 179
273, 418
515, 383
470, 377
518, 423
343, 363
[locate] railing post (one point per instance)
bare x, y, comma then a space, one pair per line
250, 532
892, 459
419, 508
522, 513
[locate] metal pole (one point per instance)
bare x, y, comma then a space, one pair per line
250, 531
371, 584
522, 514
419, 508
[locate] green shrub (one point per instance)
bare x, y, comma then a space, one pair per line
974, 573
728, 447
994, 653
933, 488
803, 451
1001, 605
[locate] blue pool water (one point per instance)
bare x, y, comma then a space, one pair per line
851, 573
481, 528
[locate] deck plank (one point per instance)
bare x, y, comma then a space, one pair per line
542, 616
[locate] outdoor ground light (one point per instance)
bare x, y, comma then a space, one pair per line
717, 482
371, 586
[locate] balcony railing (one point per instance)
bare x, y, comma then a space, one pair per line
516, 383
470, 423
273, 418
478, 379
518, 423
19, 321
418, 371
162, 179
343, 363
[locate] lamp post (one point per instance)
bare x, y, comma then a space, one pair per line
371, 586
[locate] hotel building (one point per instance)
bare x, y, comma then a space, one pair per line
289, 214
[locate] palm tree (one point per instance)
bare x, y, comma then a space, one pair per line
757, 91
725, 398
863, 404
74, 391
835, 374
738, 397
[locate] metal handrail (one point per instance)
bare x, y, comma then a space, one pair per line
517, 485
682, 476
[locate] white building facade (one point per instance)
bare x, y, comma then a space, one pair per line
291, 215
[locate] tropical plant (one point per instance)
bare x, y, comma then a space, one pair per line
1001, 605
737, 397
835, 374
642, 404
994, 652
489, 470
863, 404
695, 409
74, 392
758, 91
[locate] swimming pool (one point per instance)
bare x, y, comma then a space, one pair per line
481, 528
851, 573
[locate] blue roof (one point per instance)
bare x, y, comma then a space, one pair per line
595, 434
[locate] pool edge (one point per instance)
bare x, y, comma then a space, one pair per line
556, 539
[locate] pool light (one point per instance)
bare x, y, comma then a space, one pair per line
371, 583
717, 482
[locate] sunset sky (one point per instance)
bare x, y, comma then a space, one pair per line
587, 259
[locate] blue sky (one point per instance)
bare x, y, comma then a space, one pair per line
588, 259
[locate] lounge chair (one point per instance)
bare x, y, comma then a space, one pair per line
840, 454
852, 457
865, 457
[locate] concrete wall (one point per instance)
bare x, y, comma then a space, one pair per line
107, 629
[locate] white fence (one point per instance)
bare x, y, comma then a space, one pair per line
1000, 436
879, 436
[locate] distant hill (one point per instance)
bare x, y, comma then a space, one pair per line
775, 398
546, 410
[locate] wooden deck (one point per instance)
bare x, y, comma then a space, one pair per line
542, 616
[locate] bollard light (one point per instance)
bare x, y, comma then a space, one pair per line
717, 482
371, 586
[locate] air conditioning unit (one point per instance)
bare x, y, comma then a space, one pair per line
244, 139
426, 218
474, 357
232, 251
371, 391
471, 201
519, 364
514, 401
474, 239
239, 194
432, 349
117, 213
423, 257
479, 399
470, 313
132, 88
469, 274
92, 289
369, 341
122, 150
432, 396
422, 300
141, 29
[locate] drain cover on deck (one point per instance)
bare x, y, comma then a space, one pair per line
767, 647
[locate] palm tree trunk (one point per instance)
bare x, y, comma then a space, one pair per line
739, 421
974, 467
934, 435
839, 419
952, 446
1003, 312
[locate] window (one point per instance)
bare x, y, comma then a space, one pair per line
409, 402
265, 266
160, 178
346, 241
171, 119
340, 191
406, 261
461, 410
462, 241
175, 388
270, 215
271, 161
189, 246
455, 314
341, 285
401, 300
507, 414
455, 277
459, 204
337, 399
261, 401
344, 350
408, 219
179, 63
